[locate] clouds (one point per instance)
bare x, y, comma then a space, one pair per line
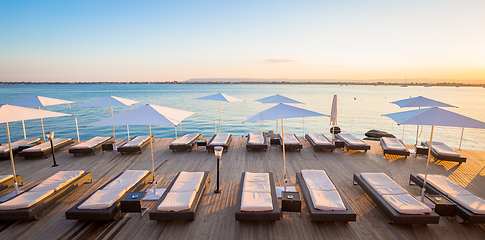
273, 60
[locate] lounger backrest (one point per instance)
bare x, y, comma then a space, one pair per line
57, 181
5, 178
18, 143
322, 191
256, 192
93, 142
351, 139
318, 138
393, 144
443, 149
290, 138
220, 138
136, 141
256, 138
183, 192
185, 139
46, 145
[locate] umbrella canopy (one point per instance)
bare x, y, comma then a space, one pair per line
111, 102
420, 102
282, 111
39, 101
434, 117
278, 99
147, 115
221, 98
9, 113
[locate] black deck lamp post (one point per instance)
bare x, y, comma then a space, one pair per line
50, 135
218, 153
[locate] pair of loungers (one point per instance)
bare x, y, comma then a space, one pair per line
441, 151
91, 146
44, 149
18, 146
32, 203
470, 208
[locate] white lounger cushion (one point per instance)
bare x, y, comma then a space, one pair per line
177, 201
351, 139
187, 182
220, 139
57, 181
383, 184
319, 139
137, 141
471, 202
327, 200
46, 145
126, 180
185, 139
5, 177
443, 149
102, 199
25, 200
23, 142
93, 142
317, 180
406, 204
256, 201
393, 144
291, 139
257, 182
256, 138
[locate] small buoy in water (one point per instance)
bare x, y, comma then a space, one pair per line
355, 98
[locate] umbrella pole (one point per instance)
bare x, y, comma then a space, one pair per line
111, 108
16, 187
220, 103
427, 165
461, 139
23, 126
417, 131
153, 164
284, 155
42, 125
175, 127
77, 130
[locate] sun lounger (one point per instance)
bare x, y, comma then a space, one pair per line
104, 204
182, 197
256, 198
256, 141
186, 142
220, 139
135, 144
90, 146
291, 142
32, 203
319, 142
394, 146
44, 149
470, 207
399, 206
323, 199
441, 151
6, 181
353, 143
18, 146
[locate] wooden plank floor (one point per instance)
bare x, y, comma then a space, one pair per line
215, 216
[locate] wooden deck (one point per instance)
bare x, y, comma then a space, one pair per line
215, 216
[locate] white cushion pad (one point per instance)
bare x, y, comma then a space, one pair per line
102, 199
137, 141
185, 139
220, 139
177, 201
90, 143
256, 138
126, 180
57, 181
317, 180
25, 200
319, 139
393, 144
327, 200
351, 139
256, 201
291, 139
187, 182
406, 204
383, 184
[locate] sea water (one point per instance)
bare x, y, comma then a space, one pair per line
360, 108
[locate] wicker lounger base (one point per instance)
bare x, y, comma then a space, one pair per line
317, 147
9, 183
37, 210
46, 153
273, 215
348, 215
92, 150
131, 149
391, 213
462, 212
181, 215
189, 146
105, 214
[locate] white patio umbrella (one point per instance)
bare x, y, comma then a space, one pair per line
420, 102
283, 111
434, 117
39, 101
278, 99
9, 113
111, 102
147, 115
333, 116
221, 98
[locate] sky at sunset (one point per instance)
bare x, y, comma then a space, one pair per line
178, 40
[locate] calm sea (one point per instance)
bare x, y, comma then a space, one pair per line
359, 109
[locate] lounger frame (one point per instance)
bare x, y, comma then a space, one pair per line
9, 182
386, 150
263, 146
188, 146
317, 146
47, 152
461, 211
37, 210
291, 146
125, 149
210, 147
325, 215
272, 215
6, 155
393, 215
109, 213
155, 214
349, 146
460, 159
92, 150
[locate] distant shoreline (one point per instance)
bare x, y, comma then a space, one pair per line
444, 84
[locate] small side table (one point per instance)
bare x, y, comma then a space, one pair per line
109, 146
443, 205
201, 142
421, 150
290, 202
339, 144
132, 203
274, 141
